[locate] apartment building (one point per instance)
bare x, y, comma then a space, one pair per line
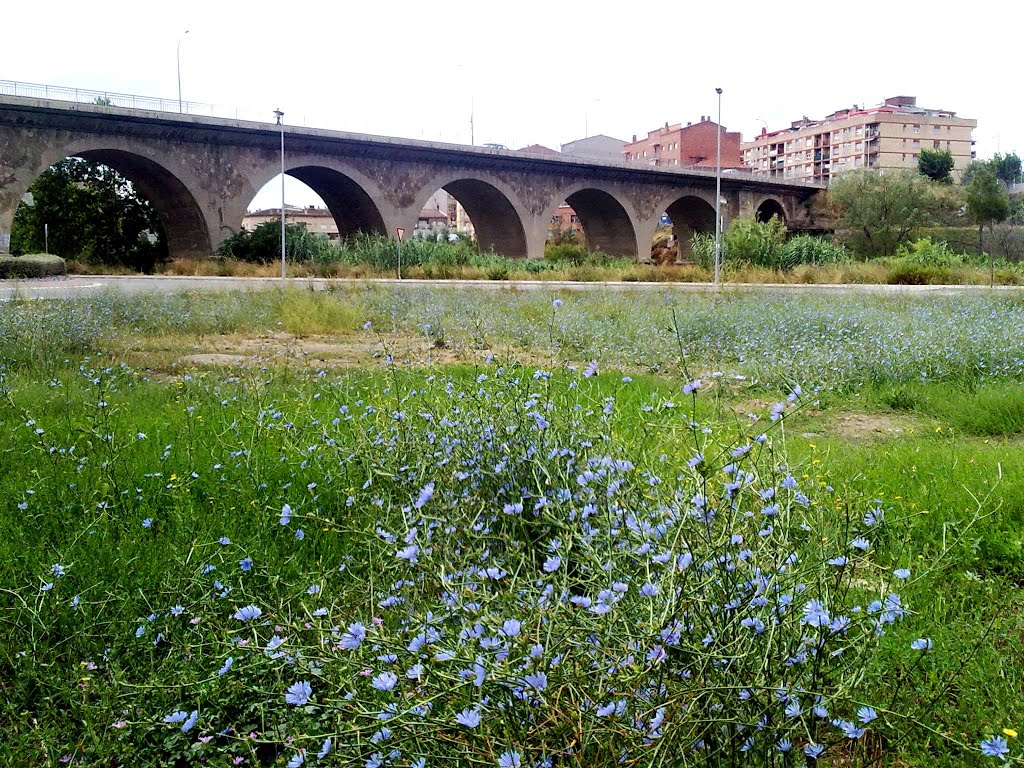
889, 136
693, 145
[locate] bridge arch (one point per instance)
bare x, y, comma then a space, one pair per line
607, 225
769, 207
186, 229
690, 213
350, 197
494, 209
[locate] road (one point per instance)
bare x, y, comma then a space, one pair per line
79, 285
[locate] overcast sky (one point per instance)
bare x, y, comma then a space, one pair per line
531, 72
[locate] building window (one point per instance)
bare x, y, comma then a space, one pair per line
917, 129
860, 130
916, 144
936, 144
936, 128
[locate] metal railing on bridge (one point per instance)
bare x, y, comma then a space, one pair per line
130, 101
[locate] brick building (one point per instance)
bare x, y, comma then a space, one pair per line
686, 146
889, 136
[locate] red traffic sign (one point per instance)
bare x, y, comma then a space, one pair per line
401, 233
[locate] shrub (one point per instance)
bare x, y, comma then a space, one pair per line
759, 243
566, 252
31, 265
702, 250
262, 245
925, 253
808, 249
904, 273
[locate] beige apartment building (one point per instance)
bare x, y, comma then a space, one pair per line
890, 135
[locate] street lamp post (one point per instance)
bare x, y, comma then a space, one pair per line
179, 70
718, 194
279, 115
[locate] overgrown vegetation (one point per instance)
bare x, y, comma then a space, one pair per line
594, 555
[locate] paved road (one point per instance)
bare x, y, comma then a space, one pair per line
75, 286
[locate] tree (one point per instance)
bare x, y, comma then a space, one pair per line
1007, 168
936, 164
93, 213
987, 203
880, 211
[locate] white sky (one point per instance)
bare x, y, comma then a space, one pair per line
534, 72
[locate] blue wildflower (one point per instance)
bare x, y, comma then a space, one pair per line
248, 613
510, 759
245, 564
536, 680
297, 759
325, 748
995, 747
866, 714
298, 693
426, 493
227, 666
470, 718
813, 750
286, 514
901, 573
921, 644
385, 681
354, 636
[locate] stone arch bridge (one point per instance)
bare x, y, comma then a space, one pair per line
202, 173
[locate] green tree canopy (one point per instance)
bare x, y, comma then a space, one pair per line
880, 211
987, 202
1007, 168
936, 164
92, 213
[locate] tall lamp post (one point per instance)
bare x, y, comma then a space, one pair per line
718, 194
179, 70
279, 114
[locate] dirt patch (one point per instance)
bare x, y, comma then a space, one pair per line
873, 426
320, 352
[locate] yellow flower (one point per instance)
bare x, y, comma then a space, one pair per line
1010, 732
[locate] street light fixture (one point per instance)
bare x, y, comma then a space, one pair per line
718, 194
179, 70
279, 115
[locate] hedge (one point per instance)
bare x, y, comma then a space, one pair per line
31, 265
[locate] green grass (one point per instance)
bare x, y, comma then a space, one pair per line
209, 453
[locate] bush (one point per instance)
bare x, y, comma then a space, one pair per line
807, 249
925, 253
262, 245
756, 242
905, 273
31, 265
702, 250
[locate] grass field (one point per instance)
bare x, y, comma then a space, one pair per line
374, 527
